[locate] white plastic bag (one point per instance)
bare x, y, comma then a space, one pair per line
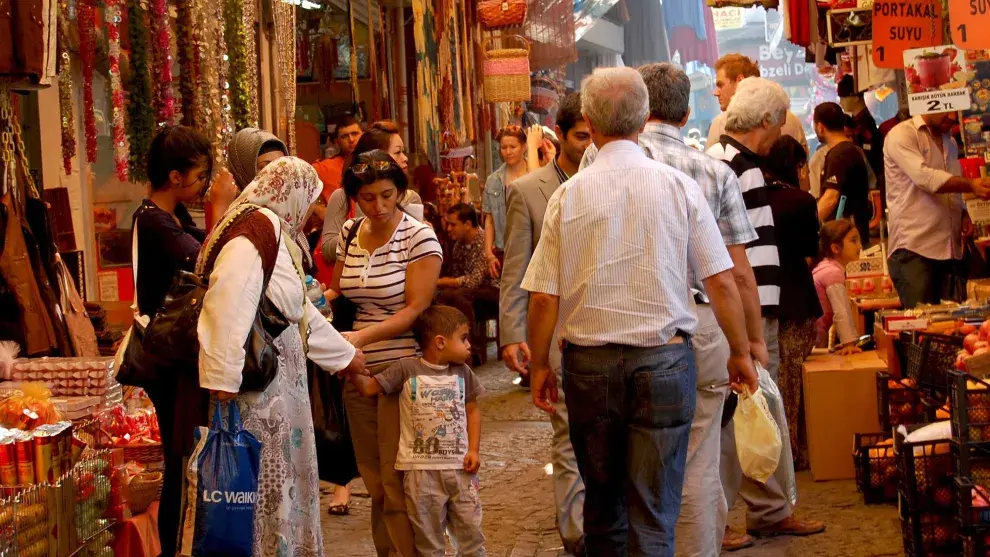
774, 400
757, 437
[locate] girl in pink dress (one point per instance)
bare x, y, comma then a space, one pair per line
839, 244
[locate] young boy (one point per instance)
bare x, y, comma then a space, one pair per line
440, 433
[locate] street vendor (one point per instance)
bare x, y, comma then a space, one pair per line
924, 187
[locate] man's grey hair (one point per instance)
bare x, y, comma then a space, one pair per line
670, 91
616, 101
756, 101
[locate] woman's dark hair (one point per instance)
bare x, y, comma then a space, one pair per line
833, 232
371, 167
378, 136
465, 213
271, 146
785, 158
178, 148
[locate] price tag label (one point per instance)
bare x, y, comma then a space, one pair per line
899, 25
970, 20
937, 79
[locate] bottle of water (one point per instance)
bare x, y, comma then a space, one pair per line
314, 292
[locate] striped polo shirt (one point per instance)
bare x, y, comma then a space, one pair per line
762, 252
376, 282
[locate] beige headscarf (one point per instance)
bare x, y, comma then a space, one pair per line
243, 152
286, 187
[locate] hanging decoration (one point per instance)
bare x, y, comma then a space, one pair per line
373, 64
209, 54
120, 153
427, 88
251, 61
285, 37
67, 120
161, 54
86, 19
353, 71
234, 37
140, 112
186, 53
224, 124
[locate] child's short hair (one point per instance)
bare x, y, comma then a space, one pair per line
437, 320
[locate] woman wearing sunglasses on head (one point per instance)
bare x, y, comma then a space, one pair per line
390, 263
168, 241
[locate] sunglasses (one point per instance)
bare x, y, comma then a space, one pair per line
364, 168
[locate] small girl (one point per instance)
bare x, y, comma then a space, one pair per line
839, 244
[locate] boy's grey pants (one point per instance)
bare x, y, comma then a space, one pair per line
438, 500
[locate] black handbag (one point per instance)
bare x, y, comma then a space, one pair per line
172, 342
344, 311
335, 458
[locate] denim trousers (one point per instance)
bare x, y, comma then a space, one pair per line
630, 412
919, 280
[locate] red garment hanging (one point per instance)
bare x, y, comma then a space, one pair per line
799, 14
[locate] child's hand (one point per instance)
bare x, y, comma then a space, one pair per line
472, 462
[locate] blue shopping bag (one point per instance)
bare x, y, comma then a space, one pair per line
222, 493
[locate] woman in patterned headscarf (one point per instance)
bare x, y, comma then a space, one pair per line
276, 203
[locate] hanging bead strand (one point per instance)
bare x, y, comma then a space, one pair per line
251, 59
65, 100
161, 62
120, 150
140, 109
86, 19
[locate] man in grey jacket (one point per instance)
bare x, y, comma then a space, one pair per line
526, 203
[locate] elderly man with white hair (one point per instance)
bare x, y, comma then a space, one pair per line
620, 241
753, 121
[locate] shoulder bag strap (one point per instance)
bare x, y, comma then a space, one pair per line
351, 234
134, 265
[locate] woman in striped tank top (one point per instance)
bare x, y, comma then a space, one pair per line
390, 270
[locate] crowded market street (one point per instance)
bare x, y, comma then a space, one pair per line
517, 495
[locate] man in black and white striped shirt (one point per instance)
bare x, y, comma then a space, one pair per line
753, 122
620, 241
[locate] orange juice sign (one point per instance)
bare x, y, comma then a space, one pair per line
969, 20
902, 24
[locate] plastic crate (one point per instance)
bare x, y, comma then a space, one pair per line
976, 544
876, 468
929, 359
970, 408
929, 534
972, 466
926, 474
902, 405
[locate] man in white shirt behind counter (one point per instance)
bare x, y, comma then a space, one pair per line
620, 243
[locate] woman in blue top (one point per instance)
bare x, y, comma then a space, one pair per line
512, 148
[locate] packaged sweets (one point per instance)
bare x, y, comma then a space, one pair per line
24, 450
43, 442
29, 409
8, 461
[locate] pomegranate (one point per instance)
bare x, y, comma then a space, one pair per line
985, 329
966, 329
969, 342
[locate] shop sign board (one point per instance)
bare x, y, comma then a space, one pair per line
937, 80
728, 18
970, 20
899, 25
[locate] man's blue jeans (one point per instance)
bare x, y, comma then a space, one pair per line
630, 415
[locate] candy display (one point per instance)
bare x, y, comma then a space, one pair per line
68, 376
28, 409
137, 428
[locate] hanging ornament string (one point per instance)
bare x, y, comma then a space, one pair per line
234, 38
67, 118
285, 36
186, 53
223, 125
251, 61
208, 106
120, 151
161, 62
140, 111
86, 19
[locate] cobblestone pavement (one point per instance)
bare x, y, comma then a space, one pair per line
517, 496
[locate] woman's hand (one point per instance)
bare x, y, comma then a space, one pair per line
494, 267
849, 350
534, 136
549, 151
223, 190
355, 338
223, 396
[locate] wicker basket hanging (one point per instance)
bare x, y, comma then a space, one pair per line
506, 72
497, 14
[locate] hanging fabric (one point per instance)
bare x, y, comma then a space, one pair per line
353, 72
373, 65
27, 40
428, 126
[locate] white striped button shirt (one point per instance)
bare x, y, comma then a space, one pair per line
618, 241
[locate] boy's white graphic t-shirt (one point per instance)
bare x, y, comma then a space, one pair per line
433, 421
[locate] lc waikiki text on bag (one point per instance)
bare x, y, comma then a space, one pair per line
222, 494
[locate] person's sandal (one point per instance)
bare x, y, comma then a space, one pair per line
339, 510
790, 526
734, 541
